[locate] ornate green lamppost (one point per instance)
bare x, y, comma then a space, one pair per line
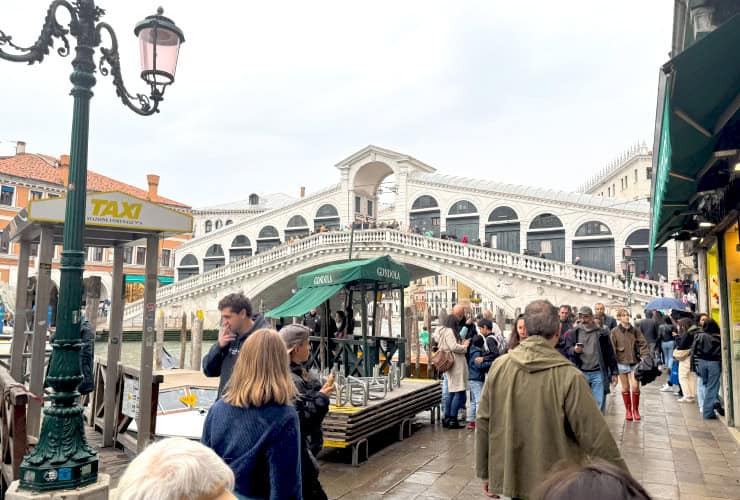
628, 272
62, 458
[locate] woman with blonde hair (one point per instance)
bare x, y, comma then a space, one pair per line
627, 341
254, 427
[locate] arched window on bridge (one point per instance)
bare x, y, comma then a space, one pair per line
639, 240
297, 227
463, 220
327, 215
267, 238
594, 245
214, 258
425, 215
209, 226
546, 237
219, 224
188, 267
241, 248
502, 230
229, 222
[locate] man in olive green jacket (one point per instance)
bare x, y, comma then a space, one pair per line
537, 409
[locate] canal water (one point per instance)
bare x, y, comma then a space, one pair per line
131, 351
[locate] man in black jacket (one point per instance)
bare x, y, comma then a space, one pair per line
566, 324
313, 321
649, 328
590, 349
609, 322
238, 324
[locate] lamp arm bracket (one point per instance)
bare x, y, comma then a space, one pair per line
51, 30
110, 63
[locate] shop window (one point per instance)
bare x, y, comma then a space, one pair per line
36, 195
6, 195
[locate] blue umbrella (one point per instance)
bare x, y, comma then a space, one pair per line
666, 303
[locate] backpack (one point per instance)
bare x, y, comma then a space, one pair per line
500, 344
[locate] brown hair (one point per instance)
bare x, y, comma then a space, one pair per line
237, 302
684, 324
514, 339
599, 479
261, 374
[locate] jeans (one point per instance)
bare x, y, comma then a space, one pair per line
710, 373
701, 391
476, 386
596, 382
667, 348
454, 403
445, 395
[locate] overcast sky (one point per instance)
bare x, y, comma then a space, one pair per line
270, 96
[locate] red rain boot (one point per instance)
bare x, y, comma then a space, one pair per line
636, 405
627, 405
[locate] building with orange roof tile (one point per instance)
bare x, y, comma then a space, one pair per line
28, 176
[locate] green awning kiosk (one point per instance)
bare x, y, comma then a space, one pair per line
317, 287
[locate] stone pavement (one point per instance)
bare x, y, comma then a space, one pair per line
673, 452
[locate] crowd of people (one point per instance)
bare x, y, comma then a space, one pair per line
558, 366
535, 400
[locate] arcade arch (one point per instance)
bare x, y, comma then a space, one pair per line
639, 240
214, 258
267, 238
425, 215
188, 267
463, 220
327, 215
546, 237
502, 229
297, 227
241, 248
593, 243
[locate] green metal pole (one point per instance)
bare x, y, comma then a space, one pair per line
62, 457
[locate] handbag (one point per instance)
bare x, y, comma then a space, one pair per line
443, 360
681, 354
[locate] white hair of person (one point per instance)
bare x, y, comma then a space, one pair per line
176, 469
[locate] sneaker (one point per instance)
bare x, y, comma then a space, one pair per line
471, 425
666, 388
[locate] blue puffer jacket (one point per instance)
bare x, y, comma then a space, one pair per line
477, 371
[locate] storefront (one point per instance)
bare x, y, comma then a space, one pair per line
696, 172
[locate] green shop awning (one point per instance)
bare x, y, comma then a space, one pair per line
698, 106
140, 278
304, 300
377, 270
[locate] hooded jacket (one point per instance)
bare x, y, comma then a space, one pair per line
219, 362
536, 409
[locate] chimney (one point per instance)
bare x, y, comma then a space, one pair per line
20, 148
153, 181
303, 191
64, 169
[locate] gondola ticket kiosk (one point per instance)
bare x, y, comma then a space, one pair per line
112, 220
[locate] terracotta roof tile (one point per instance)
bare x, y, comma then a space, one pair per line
43, 168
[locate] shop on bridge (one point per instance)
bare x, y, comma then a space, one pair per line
327, 216
214, 258
267, 238
463, 220
297, 228
593, 244
502, 230
546, 237
425, 215
696, 194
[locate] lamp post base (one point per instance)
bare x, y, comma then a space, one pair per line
99, 490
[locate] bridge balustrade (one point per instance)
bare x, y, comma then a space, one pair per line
434, 247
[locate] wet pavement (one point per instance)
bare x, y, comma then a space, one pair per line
673, 452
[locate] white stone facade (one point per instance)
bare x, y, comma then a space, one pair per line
361, 174
628, 177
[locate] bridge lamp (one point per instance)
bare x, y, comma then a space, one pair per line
159, 44
627, 252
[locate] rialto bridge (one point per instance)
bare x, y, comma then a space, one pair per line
551, 227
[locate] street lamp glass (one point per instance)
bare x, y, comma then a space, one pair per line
632, 267
624, 266
159, 44
627, 251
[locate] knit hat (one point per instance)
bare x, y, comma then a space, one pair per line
294, 335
